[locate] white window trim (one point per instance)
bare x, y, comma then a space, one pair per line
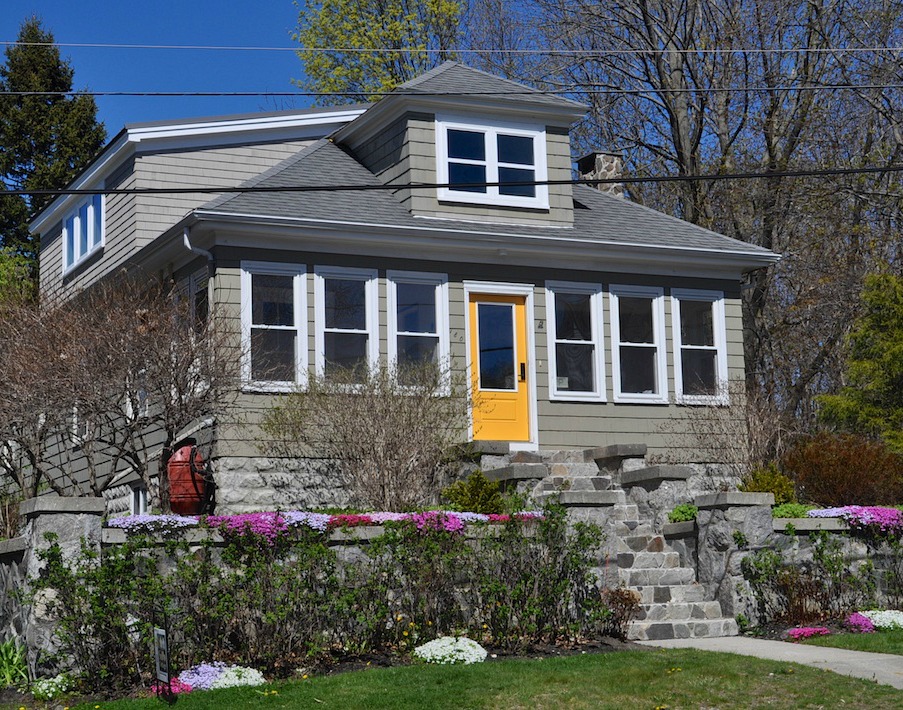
491, 129
371, 293
716, 298
658, 333
138, 500
72, 261
440, 281
594, 291
298, 272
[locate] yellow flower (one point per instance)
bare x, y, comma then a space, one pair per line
411, 624
304, 677
405, 633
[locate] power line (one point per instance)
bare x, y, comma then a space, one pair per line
398, 50
826, 172
525, 92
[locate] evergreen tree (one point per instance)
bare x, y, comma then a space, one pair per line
872, 401
45, 140
327, 29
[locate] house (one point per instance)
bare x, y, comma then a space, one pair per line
438, 223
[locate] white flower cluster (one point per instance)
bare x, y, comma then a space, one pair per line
235, 676
449, 649
50, 688
889, 619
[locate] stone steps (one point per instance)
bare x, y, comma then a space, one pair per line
702, 628
591, 483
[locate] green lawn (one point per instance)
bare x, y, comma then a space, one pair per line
676, 678
878, 642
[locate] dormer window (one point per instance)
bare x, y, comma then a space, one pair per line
83, 231
471, 154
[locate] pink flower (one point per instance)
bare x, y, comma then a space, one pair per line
860, 624
805, 632
175, 687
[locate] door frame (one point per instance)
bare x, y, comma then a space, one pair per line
501, 288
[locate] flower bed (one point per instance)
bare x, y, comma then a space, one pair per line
805, 632
863, 517
271, 525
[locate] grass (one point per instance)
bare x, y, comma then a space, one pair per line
888, 641
673, 679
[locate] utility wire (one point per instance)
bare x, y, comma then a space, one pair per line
525, 92
872, 169
397, 50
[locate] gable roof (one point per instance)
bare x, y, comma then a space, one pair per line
598, 217
456, 78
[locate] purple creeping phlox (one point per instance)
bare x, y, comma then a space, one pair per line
146, 524
203, 675
437, 520
805, 632
885, 520
857, 623
266, 525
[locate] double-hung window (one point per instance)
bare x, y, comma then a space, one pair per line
471, 154
700, 357
273, 317
417, 320
639, 366
346, 318
83, 231
576, 362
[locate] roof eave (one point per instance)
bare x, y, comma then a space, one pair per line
426, 241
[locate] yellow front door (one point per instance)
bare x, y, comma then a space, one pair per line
498, 356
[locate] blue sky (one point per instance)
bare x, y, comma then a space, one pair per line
265, 23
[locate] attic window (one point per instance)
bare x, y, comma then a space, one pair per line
471, 154
83, 231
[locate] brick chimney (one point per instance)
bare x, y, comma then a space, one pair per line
602, 166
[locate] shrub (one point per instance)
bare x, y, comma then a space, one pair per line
791, 510
840, 469
476, 494
683, 513
827, 587
768, 479
275, 596
385, 429
622, 606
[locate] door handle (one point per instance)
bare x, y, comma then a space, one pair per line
523, 371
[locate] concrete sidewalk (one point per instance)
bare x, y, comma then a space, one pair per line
884, 668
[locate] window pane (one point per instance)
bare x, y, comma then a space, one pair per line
83, 229
517, 175
97, 233
70, 240
516, 149
696, 325
459, 175
417, 350
572, 316
346, 304
638, 370
346, 351
698, 371
272, 300
416, 307
574, 368
272, 355
635, 319
469, 145
201, 307
496, 341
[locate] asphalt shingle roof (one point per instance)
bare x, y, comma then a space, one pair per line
456, 78
597, 216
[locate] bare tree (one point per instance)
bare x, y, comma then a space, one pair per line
389, 431
690, 88
104, 382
